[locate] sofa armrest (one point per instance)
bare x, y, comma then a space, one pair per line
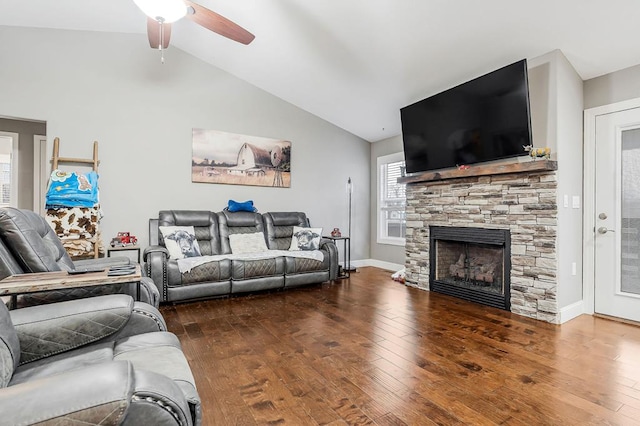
155, 267
106, 393
330, 247
154, 249
50, 329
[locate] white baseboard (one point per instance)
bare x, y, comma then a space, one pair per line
571, 311
377, 263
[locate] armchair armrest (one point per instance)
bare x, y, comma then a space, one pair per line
85, 396
50, 329
106, 393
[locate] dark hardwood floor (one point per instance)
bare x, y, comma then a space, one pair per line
368, 350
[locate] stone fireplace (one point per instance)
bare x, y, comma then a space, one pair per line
520, 198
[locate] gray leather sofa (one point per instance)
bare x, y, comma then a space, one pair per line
28, 244
230, 276
102, 360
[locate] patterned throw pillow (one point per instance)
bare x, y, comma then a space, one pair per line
180, 241
247, 243
305, 238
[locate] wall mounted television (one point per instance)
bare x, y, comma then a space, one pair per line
487, 118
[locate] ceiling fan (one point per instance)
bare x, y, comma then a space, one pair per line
161, 13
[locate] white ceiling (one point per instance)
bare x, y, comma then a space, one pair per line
355, 63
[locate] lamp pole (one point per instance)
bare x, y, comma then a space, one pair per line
349, 190
347, 266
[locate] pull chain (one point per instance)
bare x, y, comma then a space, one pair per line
161, 47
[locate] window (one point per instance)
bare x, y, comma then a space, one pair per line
391, 200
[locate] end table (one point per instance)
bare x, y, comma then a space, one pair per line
346, 271
134, 247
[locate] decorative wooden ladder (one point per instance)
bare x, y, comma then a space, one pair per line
94, 162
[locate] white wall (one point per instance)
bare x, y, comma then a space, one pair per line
112, 88
383, 252
570, 182
611, 88
557, 100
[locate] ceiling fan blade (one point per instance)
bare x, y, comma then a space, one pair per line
153, 31
218, 24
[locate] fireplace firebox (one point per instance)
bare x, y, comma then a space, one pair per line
471, 263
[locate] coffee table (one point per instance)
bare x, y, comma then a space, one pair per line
59, 280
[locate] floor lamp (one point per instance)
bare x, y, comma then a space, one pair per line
348, 266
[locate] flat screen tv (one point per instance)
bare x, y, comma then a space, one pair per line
484, 119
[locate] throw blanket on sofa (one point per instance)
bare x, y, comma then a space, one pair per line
188, 263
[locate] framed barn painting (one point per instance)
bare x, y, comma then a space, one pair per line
230, 158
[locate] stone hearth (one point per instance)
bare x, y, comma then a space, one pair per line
521, 198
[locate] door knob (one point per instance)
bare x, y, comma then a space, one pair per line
602, 216
604, 230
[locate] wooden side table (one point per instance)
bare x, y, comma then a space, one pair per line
135, 248
59, 280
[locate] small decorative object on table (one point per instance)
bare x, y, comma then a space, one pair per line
336, 232
463, 167
123, 239
537, 152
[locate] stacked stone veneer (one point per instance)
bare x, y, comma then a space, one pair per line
525, 203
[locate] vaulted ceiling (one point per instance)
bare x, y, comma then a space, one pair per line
355, 63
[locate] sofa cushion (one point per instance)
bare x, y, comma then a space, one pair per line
305, 238
246, 269
237, 223
213, 271
205, 224
279, 228
300, 265
180, 241
247, 243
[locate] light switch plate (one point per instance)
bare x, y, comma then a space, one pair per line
575, 202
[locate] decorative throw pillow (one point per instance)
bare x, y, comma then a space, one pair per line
247, 243
246, 206
180, 241
305, 238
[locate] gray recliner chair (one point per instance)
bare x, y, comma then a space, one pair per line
28, 244
103, 360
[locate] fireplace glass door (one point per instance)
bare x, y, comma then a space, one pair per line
469, 265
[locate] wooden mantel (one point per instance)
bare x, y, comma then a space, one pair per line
483, 170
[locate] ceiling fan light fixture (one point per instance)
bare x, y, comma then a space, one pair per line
163, 10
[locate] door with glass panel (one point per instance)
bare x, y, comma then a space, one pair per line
617, 209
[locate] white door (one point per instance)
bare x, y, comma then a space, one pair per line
617, 210
39, 173
8, 169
